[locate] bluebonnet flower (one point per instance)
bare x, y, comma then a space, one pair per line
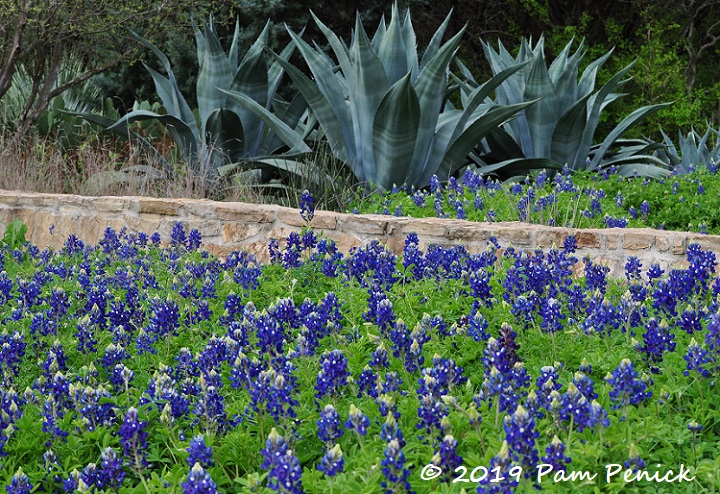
696, 357
380, 357
20, 483
199, 482
177, 235
367, 383
394, 470
584, 384
627, 388
329, 430
286, 475
520, 436
501, 462
479, 282
694, 427
690, 320
199, 452
555, 455
657, 340
357, 421
477, 325
133, 438
595, 276
89, 476
632, 268
164, 318
210, 406
576, 407
645, 209
332, 462
333, 373
275, 447
552, 316
194, 240
634, 461
447, 458
111, 472
546, 383
496, 355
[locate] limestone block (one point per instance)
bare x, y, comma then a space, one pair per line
162, 207
240, 211
638, 241
588, 239
374, 224
239, 233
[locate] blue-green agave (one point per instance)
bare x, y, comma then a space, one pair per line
222, 133
559, 129
691, 151
383, 109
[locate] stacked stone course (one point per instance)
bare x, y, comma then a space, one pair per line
226, 227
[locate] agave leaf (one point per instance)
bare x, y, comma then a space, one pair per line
587, 79
334, 130
630, 167
568, 133
430, 87
330, 87
173, 100
410, 40
596, 104
338, 46
275, 72
291, 138
392, 51
542, 116
518, 167
215, 71
503, 147
368, 85
379, 34
395, 130
251, 80
626, 123
303, 170
455, 155
436, 41
224, 137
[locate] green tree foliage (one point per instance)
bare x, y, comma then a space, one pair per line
39, 36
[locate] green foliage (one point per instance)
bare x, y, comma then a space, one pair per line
14, 236
688, 202
560, 127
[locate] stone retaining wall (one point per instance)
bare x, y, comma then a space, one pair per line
238, 226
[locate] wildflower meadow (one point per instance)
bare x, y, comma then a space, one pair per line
143, 364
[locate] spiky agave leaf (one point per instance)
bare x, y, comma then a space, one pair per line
224, 132
382, 111
560, 128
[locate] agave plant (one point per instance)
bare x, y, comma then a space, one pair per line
560, 128
692, 150
383, 108
223, 132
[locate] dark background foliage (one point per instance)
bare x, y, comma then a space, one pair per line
674, 42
